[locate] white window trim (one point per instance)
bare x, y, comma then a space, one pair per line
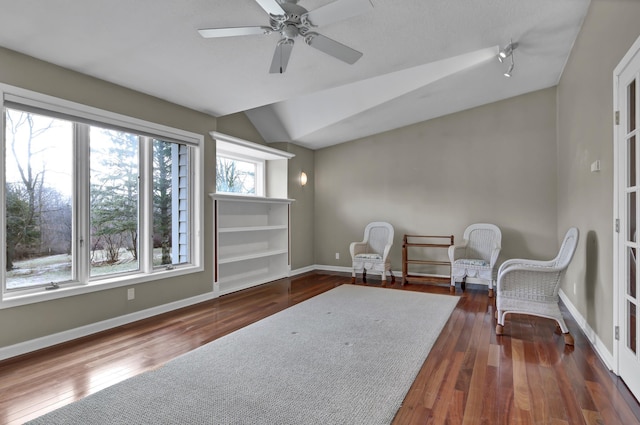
73, 109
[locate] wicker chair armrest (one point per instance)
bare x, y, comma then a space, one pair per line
494, 255
456, 250
357, 248
387, 249
519, 262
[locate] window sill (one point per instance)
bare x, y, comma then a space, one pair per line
19, 298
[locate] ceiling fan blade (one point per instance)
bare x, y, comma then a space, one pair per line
281, 56
234, 31
336, 11
333, 48
272, 7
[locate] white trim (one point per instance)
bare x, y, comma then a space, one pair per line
307, 269
54, 104
618, 183
227, 143
343, 269
65, 336
597, 344
616, 215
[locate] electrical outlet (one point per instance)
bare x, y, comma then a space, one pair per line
131, 294
337, 255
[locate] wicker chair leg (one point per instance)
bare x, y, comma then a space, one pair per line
353, 279
452, 289
499, 329
491, 293
568, 339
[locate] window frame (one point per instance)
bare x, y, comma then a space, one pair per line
60, 108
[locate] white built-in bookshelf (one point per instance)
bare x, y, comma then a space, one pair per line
251, 243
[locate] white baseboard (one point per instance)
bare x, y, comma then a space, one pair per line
65, 336
71, 334
340, 269
326, 268
596, 342
307, 269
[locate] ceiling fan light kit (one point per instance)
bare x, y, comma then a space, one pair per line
290, 20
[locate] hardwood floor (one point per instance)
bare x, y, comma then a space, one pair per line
527, 376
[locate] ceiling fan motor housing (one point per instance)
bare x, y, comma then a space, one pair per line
291, 24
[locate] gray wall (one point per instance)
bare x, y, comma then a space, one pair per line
302, 209
585, 133
36, 320
495, 163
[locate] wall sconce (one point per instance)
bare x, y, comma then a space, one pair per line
303, 179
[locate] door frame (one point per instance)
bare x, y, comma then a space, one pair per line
619, 183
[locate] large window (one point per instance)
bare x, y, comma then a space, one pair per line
93, 198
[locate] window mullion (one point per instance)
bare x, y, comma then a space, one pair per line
146, 203
3, 206
81, 230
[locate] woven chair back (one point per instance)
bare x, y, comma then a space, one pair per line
378, 235
482, 239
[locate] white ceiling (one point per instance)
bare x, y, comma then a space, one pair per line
422, 58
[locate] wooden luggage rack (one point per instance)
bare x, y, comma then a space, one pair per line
425, 241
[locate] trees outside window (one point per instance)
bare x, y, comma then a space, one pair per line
114, 157
235, 176
38, 204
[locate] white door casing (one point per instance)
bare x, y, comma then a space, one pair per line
626, 101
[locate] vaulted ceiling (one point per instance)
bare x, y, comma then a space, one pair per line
421, 58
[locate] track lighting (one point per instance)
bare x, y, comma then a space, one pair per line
507, 51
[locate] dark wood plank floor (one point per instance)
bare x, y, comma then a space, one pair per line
527, 376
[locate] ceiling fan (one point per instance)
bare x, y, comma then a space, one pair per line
290, 20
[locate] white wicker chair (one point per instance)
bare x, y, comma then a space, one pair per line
372, 254
476, 257
531, 287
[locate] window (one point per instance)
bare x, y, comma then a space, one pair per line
94, 199
243, 167
236, 175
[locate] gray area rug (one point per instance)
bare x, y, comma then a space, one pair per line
347, 356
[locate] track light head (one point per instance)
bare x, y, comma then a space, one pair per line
507, 51
509, 71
